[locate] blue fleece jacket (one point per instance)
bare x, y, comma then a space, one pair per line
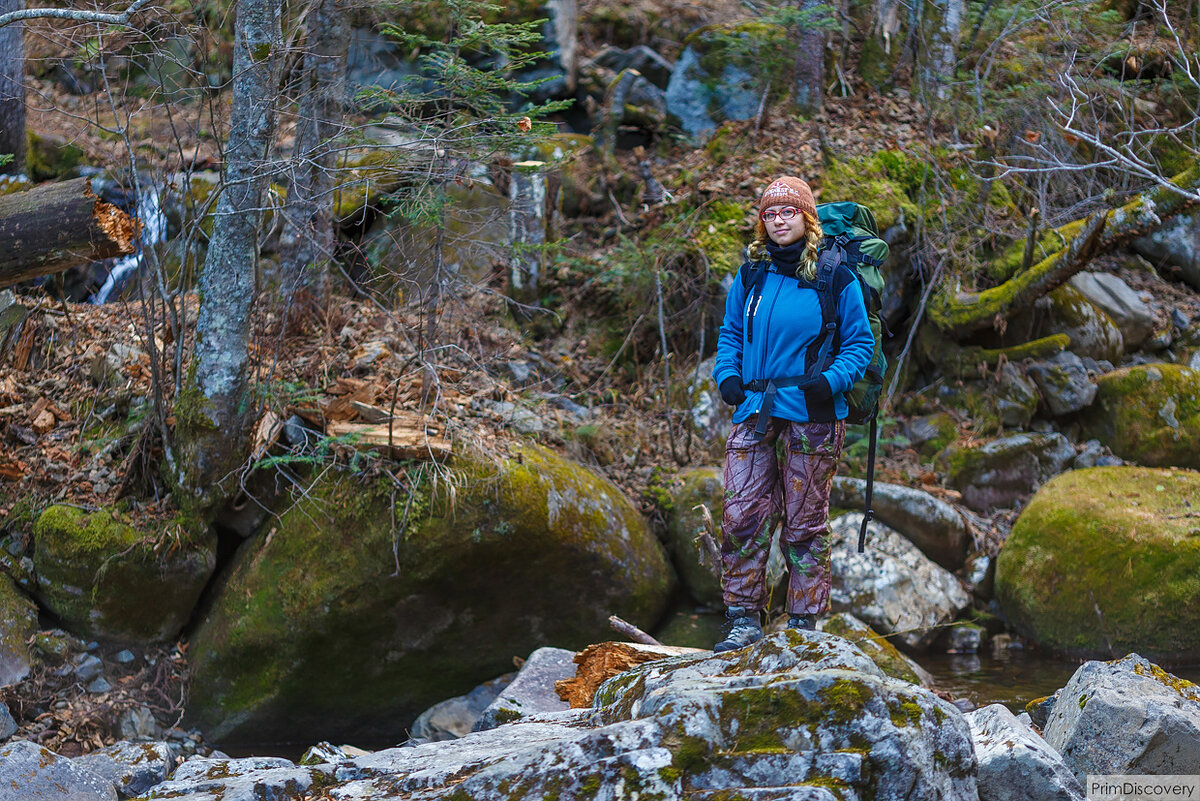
780, 342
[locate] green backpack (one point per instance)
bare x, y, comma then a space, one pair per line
852, 226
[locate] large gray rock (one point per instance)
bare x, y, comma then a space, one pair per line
1000, 473
1119, 302
29, 772
939, 529
1128, 716
18, 621
1064, 383
456, 716
1093, 333
253, 779
8, 726
1175, 245
885, 655
892, 586
700, 101
1014, 763
793, 716
133, 768
532, 691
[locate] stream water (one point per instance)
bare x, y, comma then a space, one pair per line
1012, 678
154, 231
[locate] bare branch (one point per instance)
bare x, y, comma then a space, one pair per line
72, 14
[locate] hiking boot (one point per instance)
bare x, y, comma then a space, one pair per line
744, 629
803, 622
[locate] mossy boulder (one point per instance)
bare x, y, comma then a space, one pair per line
104, 576
1003, 472
1148, 414
50, 158
340, 621
18, 622
876, 646
1107, 560
685, 521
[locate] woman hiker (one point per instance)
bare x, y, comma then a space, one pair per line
765, 367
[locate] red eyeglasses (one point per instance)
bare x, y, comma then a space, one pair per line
786, 213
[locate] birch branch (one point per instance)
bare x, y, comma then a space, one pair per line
73, 14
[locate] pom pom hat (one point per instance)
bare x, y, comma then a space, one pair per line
788, 191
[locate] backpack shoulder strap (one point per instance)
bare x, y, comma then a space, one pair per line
751, 272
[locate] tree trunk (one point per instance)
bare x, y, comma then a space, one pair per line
309, 237
1070, 247
214, 413
84, 229
809, 64
527, 226
12, 90
941, 29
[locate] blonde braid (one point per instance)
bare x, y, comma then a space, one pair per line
757, 249
807, 269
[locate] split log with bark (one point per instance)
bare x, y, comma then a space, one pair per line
53, 227
598, 663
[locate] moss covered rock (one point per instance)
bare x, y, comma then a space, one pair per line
1107, 560
1149, 414
105, 577
336, 621
685, 521
874, 645
18, 621
50, 157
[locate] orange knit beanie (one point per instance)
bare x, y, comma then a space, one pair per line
789, 191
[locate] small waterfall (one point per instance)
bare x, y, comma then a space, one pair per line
154, 231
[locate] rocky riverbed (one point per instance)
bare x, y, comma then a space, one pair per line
799, 715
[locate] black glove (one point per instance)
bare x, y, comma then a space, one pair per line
732, 392
817, 389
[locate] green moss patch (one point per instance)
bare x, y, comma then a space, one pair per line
1149, 414
1105, 561
105, 577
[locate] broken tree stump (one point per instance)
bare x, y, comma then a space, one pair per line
53, 227
598, 663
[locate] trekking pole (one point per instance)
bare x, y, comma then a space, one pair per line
869, 513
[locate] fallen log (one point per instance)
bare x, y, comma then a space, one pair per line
598, 663
1138, 217
53, 227
963, 313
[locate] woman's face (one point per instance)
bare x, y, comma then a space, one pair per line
785, 224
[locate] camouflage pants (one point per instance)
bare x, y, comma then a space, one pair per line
787, 473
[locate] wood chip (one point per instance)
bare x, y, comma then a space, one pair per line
43, 422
